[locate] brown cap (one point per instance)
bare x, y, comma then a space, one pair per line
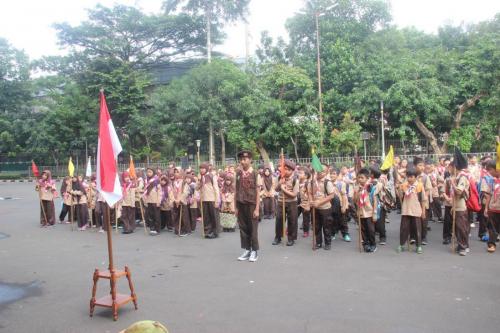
245, 153
289, 164
205, 166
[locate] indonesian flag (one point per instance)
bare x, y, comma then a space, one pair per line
108, 148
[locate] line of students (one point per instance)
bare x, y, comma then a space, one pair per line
175, 200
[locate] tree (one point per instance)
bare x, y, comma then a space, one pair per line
216, 14
346, 139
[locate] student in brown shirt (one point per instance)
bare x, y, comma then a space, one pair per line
412, 209
67, 200
460, 191
288, 189
152, 201
419, 165
247, 202
209, 195
46, 189
267, 194
322, 192
304, 206
446, 196
128, 204
365, 210
492, 208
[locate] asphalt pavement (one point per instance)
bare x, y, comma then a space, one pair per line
192, 284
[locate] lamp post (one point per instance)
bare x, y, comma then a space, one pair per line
320, 98
365, 136
198, 144
382, 124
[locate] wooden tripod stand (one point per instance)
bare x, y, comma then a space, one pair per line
113, 300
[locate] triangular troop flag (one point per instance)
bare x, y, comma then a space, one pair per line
316, 163
88, 171
34, 169
131, 169
389, 160
71, 168
108, 148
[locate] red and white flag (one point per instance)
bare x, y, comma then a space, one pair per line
108, 148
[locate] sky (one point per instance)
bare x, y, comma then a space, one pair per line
26, 24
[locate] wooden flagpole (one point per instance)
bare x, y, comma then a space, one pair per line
283, 218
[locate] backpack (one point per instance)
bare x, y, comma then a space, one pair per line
472, 199
336, 204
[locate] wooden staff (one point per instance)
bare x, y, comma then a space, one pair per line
360, 231
201, 207
142, 215
91, 211
283, 201
180, 220
452, 192
72, 214
41, 205
313, 212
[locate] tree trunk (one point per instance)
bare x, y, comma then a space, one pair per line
465, 106
428, 135
263, 152
294, 142
222, 146
211, 154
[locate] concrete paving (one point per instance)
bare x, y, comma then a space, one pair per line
195, 285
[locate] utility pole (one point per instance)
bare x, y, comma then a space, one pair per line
320, 98
383, 130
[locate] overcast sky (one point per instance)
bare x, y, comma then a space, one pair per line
27, 23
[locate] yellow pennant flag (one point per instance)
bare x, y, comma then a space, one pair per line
71, 168
498, 156
389, 160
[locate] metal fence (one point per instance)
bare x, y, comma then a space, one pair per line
62, 170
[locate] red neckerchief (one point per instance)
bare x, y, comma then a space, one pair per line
363, 196
410, 190
126, 187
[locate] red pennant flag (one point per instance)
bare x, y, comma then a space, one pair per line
34, 169
108, 148
282, 164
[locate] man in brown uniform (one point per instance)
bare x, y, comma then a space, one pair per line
247, 206
288, 189
492, 208
460, 189
209, 195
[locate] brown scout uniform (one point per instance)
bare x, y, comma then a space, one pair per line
245, 196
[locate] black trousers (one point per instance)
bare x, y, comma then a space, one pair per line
66, 210
306, 218
410, 224
153, 218
462, 229
436, 209
493, 227
323, 225
210, 218
447, 224
291, 214
128, 218
180, 216
368, 231
483, 222
249, 226
193, 215
268, 207
82, 213
380, 225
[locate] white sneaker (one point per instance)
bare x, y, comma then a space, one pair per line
472, 225
244, 256
101, 230
467, 250
153, 233
253, 256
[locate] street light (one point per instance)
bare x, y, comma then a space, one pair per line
198, 144
318, 60
382, 124
365, 136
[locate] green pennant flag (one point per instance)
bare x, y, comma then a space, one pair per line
316, 163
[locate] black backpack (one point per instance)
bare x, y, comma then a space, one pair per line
336, 204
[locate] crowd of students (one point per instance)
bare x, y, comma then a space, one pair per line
177, 201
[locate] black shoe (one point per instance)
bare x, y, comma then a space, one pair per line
290, 243
318, 246
126, 232
276, 241
446, 242
328, 247
211, 236
424, 241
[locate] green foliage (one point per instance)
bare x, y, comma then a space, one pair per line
464, 137
347, 138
